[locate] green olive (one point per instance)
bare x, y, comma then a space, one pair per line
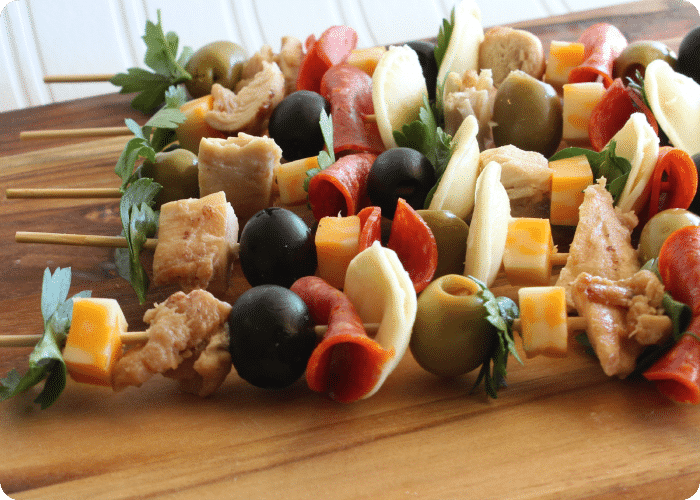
217, 62
451, 335
527, 114
451, 237
637, 55
177, 171
660, 227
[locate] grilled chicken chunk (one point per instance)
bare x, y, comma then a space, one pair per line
243, 168
622, 317
602, 243
184, 328
197, 242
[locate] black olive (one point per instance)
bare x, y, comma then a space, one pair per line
399, 173
689, 55
276, 247
695, 204
426, 57
272, 336
294, 124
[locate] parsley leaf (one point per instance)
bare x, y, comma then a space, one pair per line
46, 361
443, 37
501, 311
139, 222
168, 69
326, 158
606, 164
427, 137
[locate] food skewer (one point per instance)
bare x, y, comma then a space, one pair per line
63, 193
76, 132
90, 77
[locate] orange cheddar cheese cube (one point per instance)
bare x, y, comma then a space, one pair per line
194, 128
543, 321
529, 247
337, 243
366, 59
578, 102
570, 176
563, 57
290, 179
94, 344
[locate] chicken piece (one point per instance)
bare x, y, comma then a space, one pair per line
197, 242
242, 167
602, 243
527, 178
289, 60
505, 49
469, 94
248, 110
179, 330
622, 317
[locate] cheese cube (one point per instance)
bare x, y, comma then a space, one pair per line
366, 59
563, 57
570, 176
543, 321
291, 177
529, 247
337, 243
94, 344
578, 103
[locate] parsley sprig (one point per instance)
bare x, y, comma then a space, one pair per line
46, 361
615, 169
501, 313
426, 136
443, 37
168, 69
326, 158
139, 219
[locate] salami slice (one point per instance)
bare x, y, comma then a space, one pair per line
349, 91
612, 112
415, 245
370, 226
602, 42
342, 187
333, 47
347, 363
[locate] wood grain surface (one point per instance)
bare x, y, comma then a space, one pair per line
561, 429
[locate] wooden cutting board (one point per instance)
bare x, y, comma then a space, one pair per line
561, 429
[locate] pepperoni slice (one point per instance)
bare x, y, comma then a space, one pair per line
612, 112
370, 226
415, 245
333, 47
342, 187
347, 363
602, 42
349, 91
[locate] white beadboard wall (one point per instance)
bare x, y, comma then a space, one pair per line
44, 37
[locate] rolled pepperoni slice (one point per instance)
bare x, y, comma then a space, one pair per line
342, 187
370, 226
602, 42
333, 47
347, 363
612, 112
348, 89
415, 245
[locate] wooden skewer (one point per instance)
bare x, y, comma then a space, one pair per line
75, 132
94, 77
78, 240
139, 337
63, 193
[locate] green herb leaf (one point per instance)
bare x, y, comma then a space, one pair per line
326, 158
426, 136
443, 37
501, 311
139, 222
46, 361
606, 164
161, 57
